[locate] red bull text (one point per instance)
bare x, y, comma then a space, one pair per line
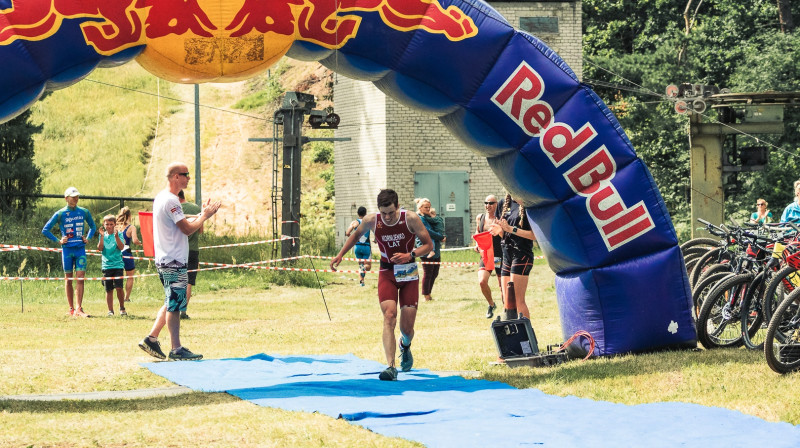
618, 224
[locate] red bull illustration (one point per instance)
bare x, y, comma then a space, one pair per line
592, 203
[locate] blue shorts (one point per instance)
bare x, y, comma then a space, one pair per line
174, 281
73, 258
362, 251
127, 260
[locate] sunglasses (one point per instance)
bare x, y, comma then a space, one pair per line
761, 204
184, 174
490, 203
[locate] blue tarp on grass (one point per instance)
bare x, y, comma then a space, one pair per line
451, 411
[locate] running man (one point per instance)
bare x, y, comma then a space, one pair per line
72, 221
171, 241
398, 278
363, 248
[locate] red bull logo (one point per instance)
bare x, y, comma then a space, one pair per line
520, 98
119, 24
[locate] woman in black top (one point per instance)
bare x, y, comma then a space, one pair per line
515, 229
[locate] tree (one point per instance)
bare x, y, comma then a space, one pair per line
18, 174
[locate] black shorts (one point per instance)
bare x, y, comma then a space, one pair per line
194, 263
516, 262
116, 283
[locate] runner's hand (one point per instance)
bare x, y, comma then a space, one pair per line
335, 262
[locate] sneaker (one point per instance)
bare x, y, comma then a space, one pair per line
122, 312
390, 374
406, 358
184, 315
110, 314
128, 299
183, 354
79, 313
153, 348
71, 312
361, 283
490, 311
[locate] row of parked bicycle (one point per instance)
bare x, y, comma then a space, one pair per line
746, 289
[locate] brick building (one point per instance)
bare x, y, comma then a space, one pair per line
427, 161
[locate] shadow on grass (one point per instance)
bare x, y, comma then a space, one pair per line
115, 405
626, 365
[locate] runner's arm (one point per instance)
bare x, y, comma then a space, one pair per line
416, 226
362, 228
46, 229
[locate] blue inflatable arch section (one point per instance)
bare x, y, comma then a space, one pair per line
555, 146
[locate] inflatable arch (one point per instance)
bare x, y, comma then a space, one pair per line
556, 147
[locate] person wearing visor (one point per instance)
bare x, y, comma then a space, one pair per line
72, 223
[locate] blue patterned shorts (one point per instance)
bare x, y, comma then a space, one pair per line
174, 280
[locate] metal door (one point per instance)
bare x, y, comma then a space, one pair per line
449, 195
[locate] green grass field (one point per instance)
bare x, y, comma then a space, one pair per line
240, 313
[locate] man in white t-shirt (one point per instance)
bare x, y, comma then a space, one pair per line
170, 235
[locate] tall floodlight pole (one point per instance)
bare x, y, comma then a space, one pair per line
198, 198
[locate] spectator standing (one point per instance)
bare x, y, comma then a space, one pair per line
170, 237
435, 228
792, 211
110, 245
762, 215
129, 237
515, 229
72, 222
398, 279
191, 211
363, 248
482, 223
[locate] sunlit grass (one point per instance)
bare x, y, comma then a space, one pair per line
240, 313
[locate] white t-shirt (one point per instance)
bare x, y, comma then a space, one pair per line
170, 243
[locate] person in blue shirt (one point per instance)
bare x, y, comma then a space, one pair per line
363, 248
72, 222
110, 245
792, 211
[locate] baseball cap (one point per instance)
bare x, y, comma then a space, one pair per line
71, 192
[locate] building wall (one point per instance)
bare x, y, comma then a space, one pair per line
392, 142
360, 164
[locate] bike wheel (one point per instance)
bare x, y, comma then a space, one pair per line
778, 287
704, 287
713, 256
700, 242
695, 252
714, 269
718, 324
753, 325
782, 342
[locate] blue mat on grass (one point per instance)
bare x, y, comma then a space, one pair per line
451, 411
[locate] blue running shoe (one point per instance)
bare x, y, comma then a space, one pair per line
406, 358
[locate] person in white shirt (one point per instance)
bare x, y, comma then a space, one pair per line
170, 235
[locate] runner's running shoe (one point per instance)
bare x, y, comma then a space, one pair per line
183, 354
184, 315
490, 311
153, 348
110, 314
79, 313
122, 312
406, 358
390, 374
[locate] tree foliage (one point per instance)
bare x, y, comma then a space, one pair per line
640, 47
18, 174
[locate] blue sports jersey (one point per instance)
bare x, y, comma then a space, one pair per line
72, 224
364, 240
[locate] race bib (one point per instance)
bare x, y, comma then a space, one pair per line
406, 272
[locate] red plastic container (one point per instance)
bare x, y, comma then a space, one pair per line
484, 240
146, 224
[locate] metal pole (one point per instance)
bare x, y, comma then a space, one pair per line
198, 198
